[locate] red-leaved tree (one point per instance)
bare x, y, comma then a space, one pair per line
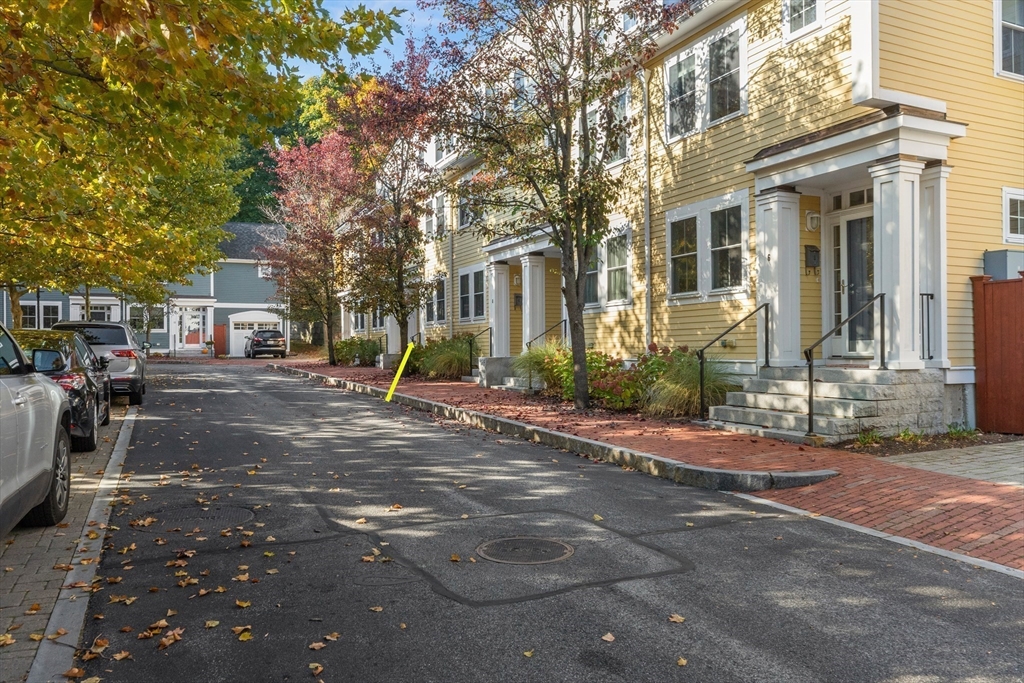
320, 193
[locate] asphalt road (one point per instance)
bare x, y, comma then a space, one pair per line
284, 490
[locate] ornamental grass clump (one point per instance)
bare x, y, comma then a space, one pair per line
676, 393
446, 358
542, 361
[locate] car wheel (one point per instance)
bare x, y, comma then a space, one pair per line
135, 398
106, 411
55, 506
88, 443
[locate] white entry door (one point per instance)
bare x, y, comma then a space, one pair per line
191, 328
853, 285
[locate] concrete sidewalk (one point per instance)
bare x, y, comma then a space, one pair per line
952, 512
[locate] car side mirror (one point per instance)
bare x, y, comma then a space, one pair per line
46, 360
147, 345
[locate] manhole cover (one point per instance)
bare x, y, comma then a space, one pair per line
524, 550
189, 518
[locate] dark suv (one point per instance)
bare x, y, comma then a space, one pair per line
265, 341
118, 343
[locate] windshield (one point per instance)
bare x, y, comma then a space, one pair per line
104, 336
269, 334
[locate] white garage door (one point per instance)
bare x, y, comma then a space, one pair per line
241, 328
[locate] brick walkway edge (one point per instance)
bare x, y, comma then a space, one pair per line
976, 518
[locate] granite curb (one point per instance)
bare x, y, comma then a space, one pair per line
655, 465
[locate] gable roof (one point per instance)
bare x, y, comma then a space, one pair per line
245, 237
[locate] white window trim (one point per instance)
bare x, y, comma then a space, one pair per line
629, 138
997, 42
602, 304
447, 310
383, 319
703, 105
264, 271
702, 210
43, 302
162, 328
1008, 194
358, 318
469, 270
787, 36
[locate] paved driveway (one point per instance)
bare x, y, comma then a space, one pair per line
331, 530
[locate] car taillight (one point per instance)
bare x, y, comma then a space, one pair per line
69, 382
124, 353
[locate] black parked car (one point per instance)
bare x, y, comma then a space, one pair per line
265, 341
68, 360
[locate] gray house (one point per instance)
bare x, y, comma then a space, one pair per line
224, 306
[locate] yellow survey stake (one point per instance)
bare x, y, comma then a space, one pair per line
398, 375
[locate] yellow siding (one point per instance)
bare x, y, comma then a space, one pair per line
793, 89
810, 281
944, 49
515, 315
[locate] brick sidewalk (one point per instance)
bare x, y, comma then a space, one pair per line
28, 556
976, 518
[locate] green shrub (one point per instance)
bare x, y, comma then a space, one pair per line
446, 358
347, 351
676, 392
958, 431
869, 437
539, 361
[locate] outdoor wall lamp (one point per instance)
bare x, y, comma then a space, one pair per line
812, 221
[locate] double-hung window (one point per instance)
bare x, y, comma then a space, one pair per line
706, 82
800, 17
591, 297
471, 293
378, 319
51, 315
428, 220
620, 146
1013, 215
140, 316
435, 308
29, 320
468, 214
359, 322
616, 270
1010, 38
707, 248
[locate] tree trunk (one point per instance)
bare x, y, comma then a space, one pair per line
577, 335
331, 357
403, 333
88, 303
15, 295
316, 334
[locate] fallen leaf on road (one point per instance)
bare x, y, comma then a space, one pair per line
171, 638
220, 589
317, 646
241, 577
145, 635
123, 654
369, 558
681, 662
465, 516
456, 558
394, 507
608, 638
211, 624
270, 539
243, 603
160, 624
268, 554
334, 636
528, 653
247, 635
74, 672
6, 639
376, 609
778, 538
598, 518
99, 645
113, 579
239, 629
64, 567
689, 524
54, 636
34, 636
361, 520
272, 571
126, 629
676, 619
316, 669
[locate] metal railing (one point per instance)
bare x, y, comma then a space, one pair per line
809, 352
767, 348
562, 325
543, 335
472, 343
926, 326
382, 349
419, 336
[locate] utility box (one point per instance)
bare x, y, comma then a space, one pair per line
1004, 264
812, 256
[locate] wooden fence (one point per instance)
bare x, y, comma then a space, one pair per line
999, 353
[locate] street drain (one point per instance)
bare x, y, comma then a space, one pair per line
524, 550
190, 518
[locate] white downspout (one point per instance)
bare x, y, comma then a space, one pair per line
648, 313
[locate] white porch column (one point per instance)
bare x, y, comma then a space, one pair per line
933, 260
209, 324
497, 286
533, 296
394, 336
346, 321
897, 218
778, 279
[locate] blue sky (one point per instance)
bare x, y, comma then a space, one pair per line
415, 23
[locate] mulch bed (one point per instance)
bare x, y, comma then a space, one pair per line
935, 442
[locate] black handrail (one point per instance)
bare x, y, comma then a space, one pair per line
809, 352
926, 326
381, 350
490, 345
767, 348
561, 323
418, 335
529, 373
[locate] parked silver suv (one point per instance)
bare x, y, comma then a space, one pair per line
118, 343
35, 450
